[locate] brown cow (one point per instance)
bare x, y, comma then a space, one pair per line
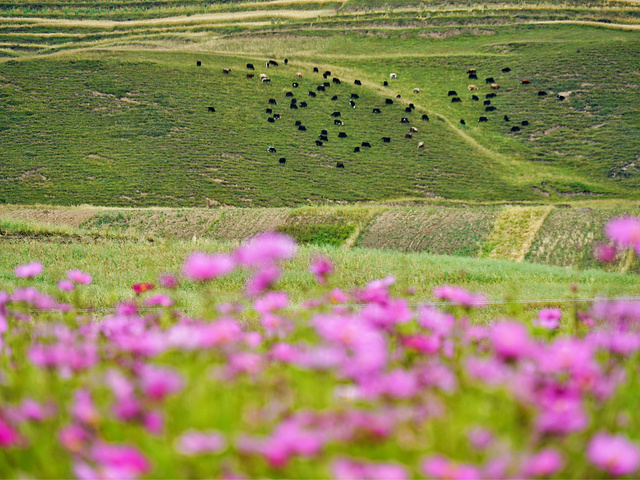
299, 75
472, 87
226, 70
471, 70
249, 75
408, 135
421, 145
526, 82
495, 86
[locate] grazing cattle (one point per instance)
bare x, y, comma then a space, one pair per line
398, 96
462, 122
302, 128
339, 165
421, 145
506, 118
386, 139
312, 94
298, 74
271, 149
272, 101
250, 75
276, 116
338, 122
452, 93
294, 85
407, 109
560, 97
267, 64
526, 82
489, 109
471, 70
250, 66
404, 120
388, 101
324, 132
303, 104
483, 119
198, 63
270, 120
376, 110
408, 135
515, 128
524, 123
416, 90
366, 144
413, 130
506, 70
356, 149
487, 102
211, 109
226, 70
342, 135
315, 70
326, 84
335, 114
318, 143
324, 138
425, 117
286, 61
355, 96
393, 76
320, 88
357, 82
495, 86
489, 80
472, 87
412, 106
282, 160
490, 95
542, 93
293, 106
336, 81
474, 98
352, 104
273, 62
455, 100
327, 73
298, 123
473, 76
288, 94
293, 100
385, 84
266, 80
268, 110
335, 97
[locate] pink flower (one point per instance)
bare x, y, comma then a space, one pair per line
510, 340
347, 469
614, 454
480, 438
65, 285
605, 253
193, 442
157, 382
549, 318
625, 231
83, 408
28, 270
271, 302
201, 266
439, 467
168, 281
266, 248
321, 267
460, 296
8, 436
123, 460
142, 287
543, 464
73, 437
78, 276
159, 300
262, 280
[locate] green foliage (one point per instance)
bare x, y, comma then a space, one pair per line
333, 235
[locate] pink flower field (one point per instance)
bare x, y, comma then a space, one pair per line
347, 384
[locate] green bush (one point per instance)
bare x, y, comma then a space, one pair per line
333, 235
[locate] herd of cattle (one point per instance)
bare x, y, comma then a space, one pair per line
323, 137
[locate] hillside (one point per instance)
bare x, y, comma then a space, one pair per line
104, 104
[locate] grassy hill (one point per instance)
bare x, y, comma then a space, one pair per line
94, 109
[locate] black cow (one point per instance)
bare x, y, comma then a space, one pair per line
398, 96
298, 123
268, 110
336, 80
286, 61
542, 93
273, 62
385, 84
302, 128
407, 109
452, 93
474, 98
560, 97
326, 74
506, 70
408, 135
312, 94
456, 100
211, 109
483, 119
487, 102
324, 138
425, 117
490, 95
294, 85
524, 123
404, 120
272, 101
271, 149
326, 84
270, 120
303, 104
386, 139
342, 135
376, 110
473, 76
335, 97
366, 144
489, 109
282, 160
318, 143
338, 122
315, 70
515, 128
324, 132
339, 165
198, 63
320, 88
355, 96
358, 82
388, 101
412, 106
288, 94
293, 100
335, 114
276, 116
506, 119
462, 122
293, 106
356, 149
489, 80
352, 104
250, 66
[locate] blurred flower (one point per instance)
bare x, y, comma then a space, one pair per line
266, 248
625, 231
262, 280
460, 296
83, 408
510, 340
614, 454
543, 464
347, 469
605, 253
202, 266
548, 318
8, 436
28, 270
78, 276
439, 467
142, 287
159, 300
119, 461
168, 281
158, 382
480, 438
321, 267
65, 285
193, 442
271, 301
